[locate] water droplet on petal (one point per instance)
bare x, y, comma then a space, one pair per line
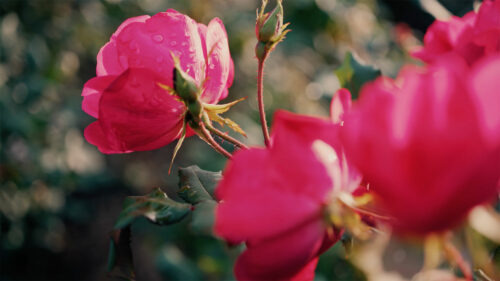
173, 43
191, 49
211, 66
184, 44
158, 38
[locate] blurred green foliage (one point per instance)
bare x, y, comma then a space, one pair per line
60, 197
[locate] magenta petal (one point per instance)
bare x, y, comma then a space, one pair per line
282, 257
152, 43
417, 140
292, 138
230, 79
485, 85
341, 103
92, 91
487, 28
107, 58
249, 211
218, 63
96, 136
136, 114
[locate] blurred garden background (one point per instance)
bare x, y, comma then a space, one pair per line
60, 197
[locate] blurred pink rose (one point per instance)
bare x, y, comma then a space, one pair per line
428, 142
133, 112
473, 36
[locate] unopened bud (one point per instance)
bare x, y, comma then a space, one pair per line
270, 25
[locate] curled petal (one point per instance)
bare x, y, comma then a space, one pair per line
108, 62
136, 114
92, 91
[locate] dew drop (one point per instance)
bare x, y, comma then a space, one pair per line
173, 43
158, 38
191, 49
184, 44
211, 66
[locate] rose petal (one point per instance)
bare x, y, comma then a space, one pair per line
152, 43
92, 91
218, 64
136, 114
107, 58
282, 257
341, 103
252, 206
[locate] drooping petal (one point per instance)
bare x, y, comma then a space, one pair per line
152, 43
108, 62
92, 91
218, 62
136, 114
282, 257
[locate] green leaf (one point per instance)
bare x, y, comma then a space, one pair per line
156, 207
353, 75
197, 185
204, 217
120, 261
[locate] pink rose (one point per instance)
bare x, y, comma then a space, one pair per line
133, 112
473, 36
428, 142
276, 199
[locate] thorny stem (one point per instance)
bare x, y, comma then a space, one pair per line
260, 99
454, 254
227, 137
210, 140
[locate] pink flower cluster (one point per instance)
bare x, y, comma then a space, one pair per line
427, 142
